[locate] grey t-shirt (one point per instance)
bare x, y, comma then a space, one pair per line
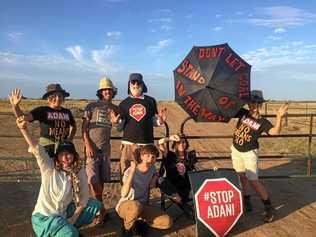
140, 185
100, 125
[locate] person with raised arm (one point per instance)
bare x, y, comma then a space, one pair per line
63, 203
244, 150
177, 163
56, 122
134, 207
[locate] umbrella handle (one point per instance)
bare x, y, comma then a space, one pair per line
183, 123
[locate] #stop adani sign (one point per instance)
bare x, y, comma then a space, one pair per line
218, 205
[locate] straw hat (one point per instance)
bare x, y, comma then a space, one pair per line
106, 83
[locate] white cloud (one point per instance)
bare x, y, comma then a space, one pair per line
99, 56
15, 36
272, 37
285, 71
161, 24
114, 34
98, 59
218, 15
159, 46
281, 17
279, 30
34, 72
217, 28
76, 52
287, 53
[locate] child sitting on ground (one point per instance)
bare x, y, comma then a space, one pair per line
138, 179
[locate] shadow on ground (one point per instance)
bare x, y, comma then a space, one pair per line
294, 199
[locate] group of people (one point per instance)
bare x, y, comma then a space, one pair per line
71, 189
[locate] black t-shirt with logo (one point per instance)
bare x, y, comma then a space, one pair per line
248, 130
54, 124
138, 114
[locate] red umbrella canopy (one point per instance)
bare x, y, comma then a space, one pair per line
212, 83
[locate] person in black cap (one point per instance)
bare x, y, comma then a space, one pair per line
63, 204
137, 115
56, 123
245, 149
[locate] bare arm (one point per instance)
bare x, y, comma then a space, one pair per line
72, 220
161, 118
86, 138
73, 130
22, 125
15, 98
162, 143
279, 115
163, 146
126, 187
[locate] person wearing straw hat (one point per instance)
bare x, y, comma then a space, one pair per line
96, 128
56, 122
245, 149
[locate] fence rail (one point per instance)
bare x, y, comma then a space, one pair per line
308, 156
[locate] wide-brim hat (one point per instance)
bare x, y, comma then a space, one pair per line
53, 88
137, 77
256, 96
106, 83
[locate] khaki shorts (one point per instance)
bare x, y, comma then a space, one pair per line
98, 168
245, 162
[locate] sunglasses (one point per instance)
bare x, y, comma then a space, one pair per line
134, 82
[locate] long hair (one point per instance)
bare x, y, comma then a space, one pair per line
174, 145
73, 172
99, 94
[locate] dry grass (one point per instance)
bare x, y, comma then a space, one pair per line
16, 147
286, 193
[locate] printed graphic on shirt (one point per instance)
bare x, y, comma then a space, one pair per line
102, 118
58, 116
137, 111
247, 128
54, 124
242, 134
251, 123
60, 129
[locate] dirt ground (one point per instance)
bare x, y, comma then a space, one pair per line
294, 198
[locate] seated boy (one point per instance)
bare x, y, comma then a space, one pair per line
138, 179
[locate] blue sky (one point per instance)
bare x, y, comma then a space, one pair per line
76, 42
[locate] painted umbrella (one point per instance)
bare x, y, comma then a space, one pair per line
212, 83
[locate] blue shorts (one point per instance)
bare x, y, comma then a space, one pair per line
58, 226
